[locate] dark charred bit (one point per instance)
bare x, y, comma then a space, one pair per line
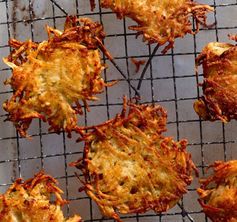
31, 9
14, 16
27, 18
92, 2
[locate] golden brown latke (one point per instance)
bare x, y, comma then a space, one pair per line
218, 193
219, 100
160, 21
32, 201
50, 79
129, 167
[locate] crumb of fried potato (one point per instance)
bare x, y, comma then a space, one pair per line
129, 167
160, 21
35, 200
218, 192
53, 79
219, 85
138, 63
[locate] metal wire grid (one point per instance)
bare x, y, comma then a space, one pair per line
20, 157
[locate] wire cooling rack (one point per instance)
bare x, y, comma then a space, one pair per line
166, 79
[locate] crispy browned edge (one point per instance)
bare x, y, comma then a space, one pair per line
198, 11
28, 185
92, 38
205, 107
221, 170
120, 119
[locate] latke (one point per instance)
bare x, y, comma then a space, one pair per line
218, 193
32, 201
129, 167
219, 100
160, 21
52, 78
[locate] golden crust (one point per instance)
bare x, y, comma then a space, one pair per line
218, 193
160, 21
49, 79
129, 167
32, 201
220, 82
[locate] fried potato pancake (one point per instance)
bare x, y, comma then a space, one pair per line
32, 201
218, 193
219, 100
160, 21
50, 79
129, 167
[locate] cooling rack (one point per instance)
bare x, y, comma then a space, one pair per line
166, 79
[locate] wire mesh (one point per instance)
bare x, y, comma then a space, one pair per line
166, 79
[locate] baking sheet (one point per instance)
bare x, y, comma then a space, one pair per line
170, 81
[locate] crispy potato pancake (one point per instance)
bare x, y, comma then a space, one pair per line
129, 167
219, 100
50, 79
218, 193
160, 21
32, 201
